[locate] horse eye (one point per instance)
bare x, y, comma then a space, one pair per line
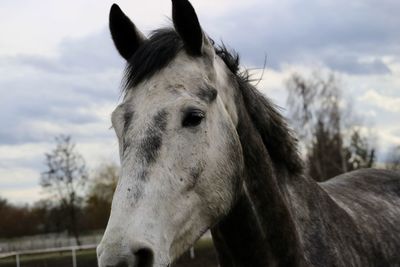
193, 118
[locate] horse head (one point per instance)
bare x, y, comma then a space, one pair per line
181, 157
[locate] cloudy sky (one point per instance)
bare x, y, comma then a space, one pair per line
59, 71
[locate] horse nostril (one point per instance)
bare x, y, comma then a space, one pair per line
122, 264
119, 264
144, 257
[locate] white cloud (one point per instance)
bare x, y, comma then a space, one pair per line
22, 195
385, 102
20, 168
271, 84
17, 176
387, 138
97, 126
99, 151
28, 150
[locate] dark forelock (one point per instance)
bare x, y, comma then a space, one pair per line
158, 51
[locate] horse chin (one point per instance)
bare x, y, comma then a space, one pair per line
162, 262
178, 248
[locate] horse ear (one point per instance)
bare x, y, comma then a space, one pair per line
187, 25
127, 38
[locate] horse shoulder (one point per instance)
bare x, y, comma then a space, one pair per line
372, 199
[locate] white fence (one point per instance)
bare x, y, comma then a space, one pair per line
47, 241
74, 249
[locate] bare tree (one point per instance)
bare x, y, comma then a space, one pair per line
104, 181
359, 152
65, 179
316, 113
393, 159
314, 102
99, 198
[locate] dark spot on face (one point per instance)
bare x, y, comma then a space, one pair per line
127, 120
137, 193
126, 144
128, 116
160, 120
195, 173
142, 174
207, 94
151, 144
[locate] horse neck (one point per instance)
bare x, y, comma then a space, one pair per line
269, 228
278, 219
259, 230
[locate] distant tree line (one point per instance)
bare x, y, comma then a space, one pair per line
76, 201
393, 159
333, 140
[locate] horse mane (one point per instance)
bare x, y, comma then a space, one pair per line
276, 135
162, 47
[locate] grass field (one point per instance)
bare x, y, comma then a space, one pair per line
204, 257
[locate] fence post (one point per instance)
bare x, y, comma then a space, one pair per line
17, 259
192, 253
74, 257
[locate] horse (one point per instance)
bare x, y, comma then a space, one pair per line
202, 149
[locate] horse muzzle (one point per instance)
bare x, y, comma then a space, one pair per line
113, 256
